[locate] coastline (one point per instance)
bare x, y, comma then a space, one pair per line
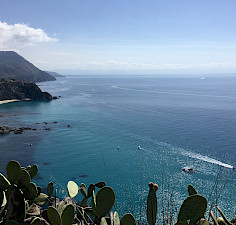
12, 100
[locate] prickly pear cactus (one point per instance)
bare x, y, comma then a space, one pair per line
105, 200
83, 189
33, 171
13, 170
24, 179
91, 188
103, 221
15, 206
50, 189
151, 205
193, 209
53, 216
72, 188
191, 190
4, 183
36, 221
127, 219
67, 216
116, 219
100, 184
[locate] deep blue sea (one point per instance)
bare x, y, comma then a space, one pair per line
176, 121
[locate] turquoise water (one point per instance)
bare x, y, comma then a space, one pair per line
176, 121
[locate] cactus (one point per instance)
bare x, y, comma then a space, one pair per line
100, 184
191, 190
13, 170
24, 179
50, 189
15, 206
193, 209
33, 171
3, 199
103, 221
127, 219
116, 219
105, 200
151, 205
36, 221
32, 191
53, 216
83, 189
4, 183
91, 188
67, 215
72, 188
41, 199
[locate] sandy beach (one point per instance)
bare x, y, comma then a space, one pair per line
13, 100
9, 101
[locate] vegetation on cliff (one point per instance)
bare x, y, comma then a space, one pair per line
23, 202
14, 66
15, 89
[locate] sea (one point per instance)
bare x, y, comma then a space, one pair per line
128, 131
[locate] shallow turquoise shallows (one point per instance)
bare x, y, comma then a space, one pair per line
129, 131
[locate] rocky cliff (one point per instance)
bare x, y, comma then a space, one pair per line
14, 89
15, 66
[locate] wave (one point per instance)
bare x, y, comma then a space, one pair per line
173, 93
197, 156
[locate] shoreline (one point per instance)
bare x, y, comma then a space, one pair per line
13, 100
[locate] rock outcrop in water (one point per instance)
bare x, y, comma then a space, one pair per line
14, 89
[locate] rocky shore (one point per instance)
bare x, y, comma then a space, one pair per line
15, 90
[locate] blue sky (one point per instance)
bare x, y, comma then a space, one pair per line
122, 36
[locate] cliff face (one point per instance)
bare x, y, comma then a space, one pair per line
14, 66
13, 89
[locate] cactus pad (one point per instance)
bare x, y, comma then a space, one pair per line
103, 221
33, 171
4, 183
151, 207
13, 170
191, 190
68, 214
36, 221
32, 191
116, 219
53, 216
50, 189
100, 184
83, 189
127, 219
105, 200
24, 178
72, 188
193, 208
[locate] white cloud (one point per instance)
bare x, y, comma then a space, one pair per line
17, 36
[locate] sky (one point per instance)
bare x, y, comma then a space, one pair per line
122, 36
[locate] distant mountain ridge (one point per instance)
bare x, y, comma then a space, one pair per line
54, 74
14, 66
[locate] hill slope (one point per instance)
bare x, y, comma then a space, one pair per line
14, 89
14, 66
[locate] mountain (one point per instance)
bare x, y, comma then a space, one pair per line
54, 74
14, 66
15, 89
